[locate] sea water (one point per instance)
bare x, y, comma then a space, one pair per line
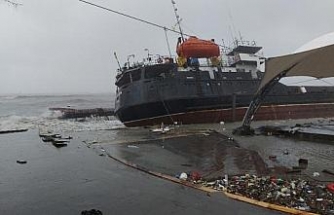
32, 112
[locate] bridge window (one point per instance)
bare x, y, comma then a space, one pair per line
125, 79
136, 74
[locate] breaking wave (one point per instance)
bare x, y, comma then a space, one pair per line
50, 121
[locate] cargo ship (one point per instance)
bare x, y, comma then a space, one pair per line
206, 83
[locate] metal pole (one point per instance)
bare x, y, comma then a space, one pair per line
169, 51
245, 129
234, 99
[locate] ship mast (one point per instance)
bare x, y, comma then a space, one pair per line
178, 21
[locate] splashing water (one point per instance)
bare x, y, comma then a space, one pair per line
31, 112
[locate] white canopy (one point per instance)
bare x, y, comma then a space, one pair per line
318, 63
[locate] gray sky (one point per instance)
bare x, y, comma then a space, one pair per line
66, 46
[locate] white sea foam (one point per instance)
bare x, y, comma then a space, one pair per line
50, 121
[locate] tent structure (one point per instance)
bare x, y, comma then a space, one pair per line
318, 63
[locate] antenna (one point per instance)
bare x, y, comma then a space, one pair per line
178, 20
119, 65
128, 59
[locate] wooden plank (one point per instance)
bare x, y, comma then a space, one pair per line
12, 131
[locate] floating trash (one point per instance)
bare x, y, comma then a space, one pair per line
195, 176
133, 146
183, 176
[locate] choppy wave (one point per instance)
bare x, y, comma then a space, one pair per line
6, 98
50, 121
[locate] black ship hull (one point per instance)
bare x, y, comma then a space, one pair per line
162, 93
271, 112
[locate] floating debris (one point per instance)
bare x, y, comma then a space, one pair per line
195, 176
60, 142
21, 161
49, 135
47, 139
330, 187
91, 212
88, 144
183, 176
133, 146
56, 139
12, 131
163, 129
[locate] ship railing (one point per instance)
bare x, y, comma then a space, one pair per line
198, 63
151, 60
202, 62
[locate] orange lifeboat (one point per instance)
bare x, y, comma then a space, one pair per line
197, 48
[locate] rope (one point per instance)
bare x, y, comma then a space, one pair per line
164, 104
135, 18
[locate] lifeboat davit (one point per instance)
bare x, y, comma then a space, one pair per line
197, 48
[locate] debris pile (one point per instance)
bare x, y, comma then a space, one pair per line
295, 193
